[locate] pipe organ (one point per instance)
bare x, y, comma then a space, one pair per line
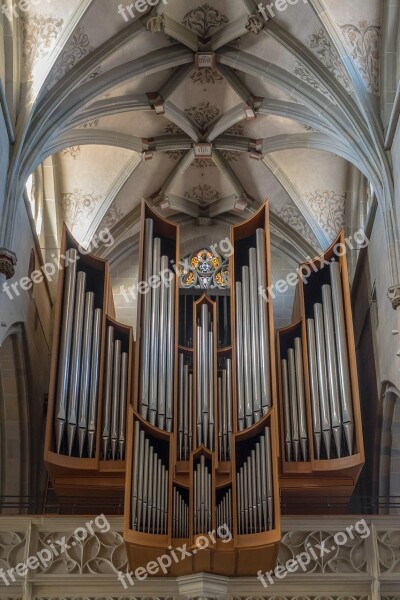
206, 424
320, 418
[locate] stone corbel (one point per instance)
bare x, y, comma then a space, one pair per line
255, 24
394, 296
8, 262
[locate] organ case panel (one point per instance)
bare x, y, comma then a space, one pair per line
325, 370
206, 437
87, 399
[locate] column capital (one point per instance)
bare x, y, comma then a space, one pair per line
8, 262
203, 586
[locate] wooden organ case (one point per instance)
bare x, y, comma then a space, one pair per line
206, 424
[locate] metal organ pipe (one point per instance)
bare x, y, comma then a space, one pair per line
76, 359
314, 387
298, 350
248, 383
323, 378
85, 379
255, 488
252, 338
94, 381
146, 319
263, 323
332, 368
154, 339
239, 356
65, 347
342, 355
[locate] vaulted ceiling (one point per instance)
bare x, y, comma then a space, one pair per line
288, 106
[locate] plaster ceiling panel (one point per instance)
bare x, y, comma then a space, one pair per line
203, 186
258, 181
103, 20
146, 180
139, 85
136, 47
321, 178
267, 48
87, 175
140, 124
265, 126
205, 99
265, 89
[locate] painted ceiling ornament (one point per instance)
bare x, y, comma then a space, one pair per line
329, 209
76, 48
204, 195
204, 20
79, 206
293, 217
308, 77
203, 114
72, 152
38, 36
323, 48
90, 124
364, 42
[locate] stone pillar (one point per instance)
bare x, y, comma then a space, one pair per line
203, 586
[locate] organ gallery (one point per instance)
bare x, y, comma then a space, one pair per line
208, 419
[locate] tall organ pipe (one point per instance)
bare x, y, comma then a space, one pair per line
255, 340
65, 347
94, 380
263, 323
76, 360
314, 388
239, 356
205, 374
246, 347
108, 392
154, 340
298, 350
286, 409
163, 331
86, 373
116, 390
170, 354
323, 378
122, 404
342, 355
332, 367
146, 319
293, 404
